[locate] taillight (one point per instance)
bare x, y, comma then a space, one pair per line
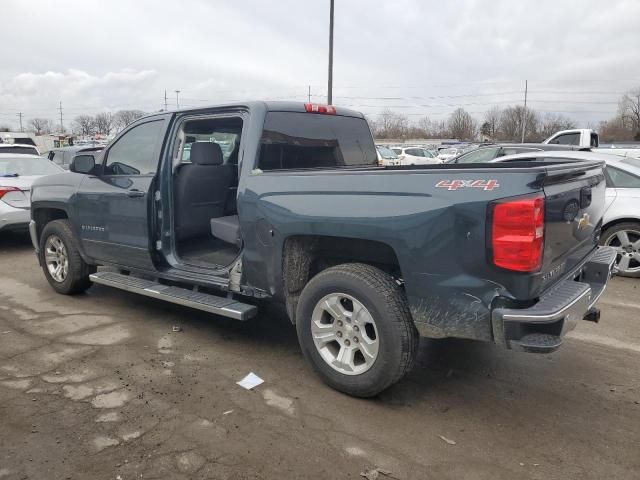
5, 190
517, 234
317, 108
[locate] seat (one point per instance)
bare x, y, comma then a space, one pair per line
201, 190
227, 229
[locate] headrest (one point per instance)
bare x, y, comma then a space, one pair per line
206, 153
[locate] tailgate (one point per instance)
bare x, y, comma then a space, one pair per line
574, 207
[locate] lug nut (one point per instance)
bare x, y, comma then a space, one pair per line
339, 323
347, 343
356, 328
339, 334
355, 340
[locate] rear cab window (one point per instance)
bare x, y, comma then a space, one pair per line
292, 140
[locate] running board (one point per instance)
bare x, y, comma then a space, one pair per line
226, 307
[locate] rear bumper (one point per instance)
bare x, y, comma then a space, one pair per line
13, 218
540, 328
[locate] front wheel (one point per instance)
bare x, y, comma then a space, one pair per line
625, 239
355, 328
63, 267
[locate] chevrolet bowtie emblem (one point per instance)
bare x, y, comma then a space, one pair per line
584, 221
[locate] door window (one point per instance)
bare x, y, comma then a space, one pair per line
135, 153
567, 139
57, 158
621, 179
479, 156
415, 152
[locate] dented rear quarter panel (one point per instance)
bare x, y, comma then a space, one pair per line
437, 234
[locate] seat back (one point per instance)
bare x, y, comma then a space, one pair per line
200, 190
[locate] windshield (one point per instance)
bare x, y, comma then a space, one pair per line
448, 151
19, 149
428, 153
386, 153
26, 166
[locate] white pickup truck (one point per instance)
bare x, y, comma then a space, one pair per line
587, 138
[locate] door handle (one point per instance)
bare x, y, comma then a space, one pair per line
135, 193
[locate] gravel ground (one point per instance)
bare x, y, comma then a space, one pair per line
99, 386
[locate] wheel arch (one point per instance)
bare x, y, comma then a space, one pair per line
45, 214
618, 221
304, 256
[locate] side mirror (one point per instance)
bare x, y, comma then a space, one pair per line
84, 163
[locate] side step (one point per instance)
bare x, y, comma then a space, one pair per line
538, 343
226, 307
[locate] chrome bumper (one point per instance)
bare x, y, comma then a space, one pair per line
540, 327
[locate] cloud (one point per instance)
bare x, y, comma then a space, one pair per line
420, 58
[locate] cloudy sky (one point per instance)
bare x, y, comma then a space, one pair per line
417, 57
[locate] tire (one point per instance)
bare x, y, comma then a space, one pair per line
391, 334
628, 259
57, 241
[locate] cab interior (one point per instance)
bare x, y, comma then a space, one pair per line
205, 185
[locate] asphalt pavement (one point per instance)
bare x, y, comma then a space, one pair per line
100, 386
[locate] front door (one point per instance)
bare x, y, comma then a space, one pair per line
114, 207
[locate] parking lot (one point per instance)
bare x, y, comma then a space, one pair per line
100, 386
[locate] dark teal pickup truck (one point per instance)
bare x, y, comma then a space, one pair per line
226, 207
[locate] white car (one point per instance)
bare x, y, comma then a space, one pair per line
448, 153
19, 148
17, 174
386, 156
415, 156
621, 222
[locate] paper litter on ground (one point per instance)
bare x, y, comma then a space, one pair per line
250, 381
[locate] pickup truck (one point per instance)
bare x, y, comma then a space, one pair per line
225, 208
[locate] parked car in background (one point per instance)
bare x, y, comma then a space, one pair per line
578, 137
415, 156
448, 153
19, 149
621, 221
491, 152
62, 156
17, 174
386, 156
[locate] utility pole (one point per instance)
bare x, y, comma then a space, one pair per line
524, 113
177, 102
20, 115
61, 125
309, 93
166, 107
330, 85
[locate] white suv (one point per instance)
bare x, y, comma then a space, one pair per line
415, 156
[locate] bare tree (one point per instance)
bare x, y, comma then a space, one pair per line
552, 123
629, 110
425, 126
492, 122
105, 122
84, 124
615, 130
511, 124
462, 125
125, 117
392, 125
40, 125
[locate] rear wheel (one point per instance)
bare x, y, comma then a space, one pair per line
625, 239
355, 328
61, 262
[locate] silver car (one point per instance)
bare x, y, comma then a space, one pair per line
17, 174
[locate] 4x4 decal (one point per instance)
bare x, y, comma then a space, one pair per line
456, 184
